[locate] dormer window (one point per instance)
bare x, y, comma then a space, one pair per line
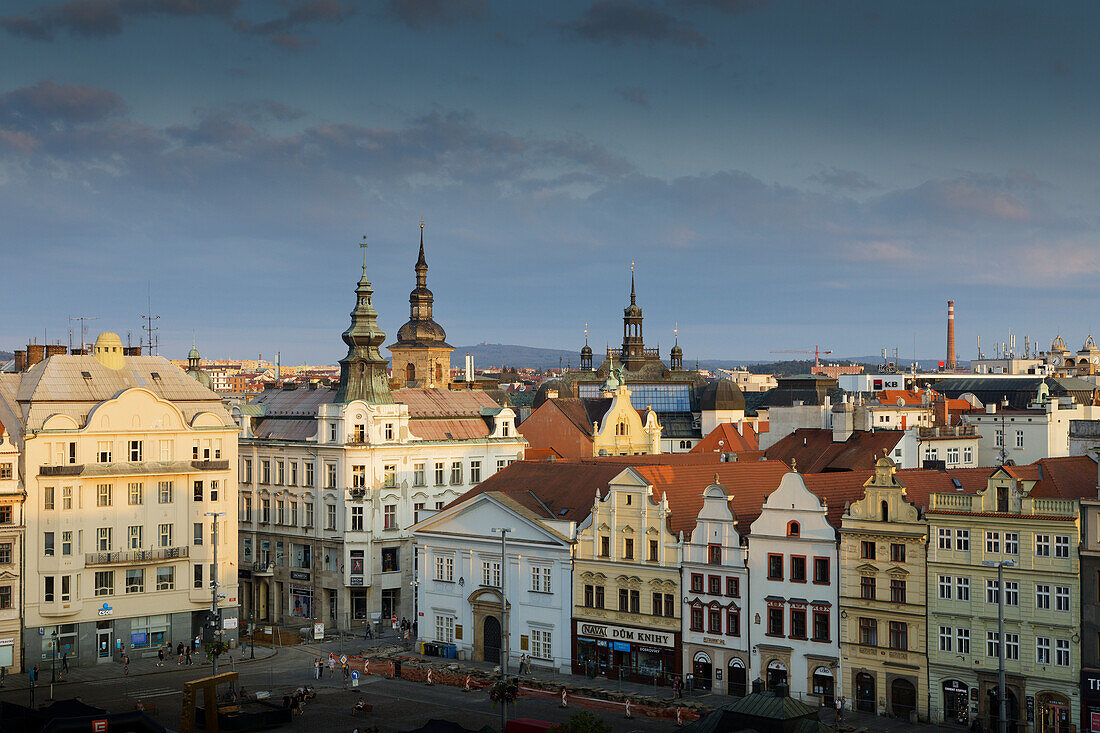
505, 429
793, 529
1002, 499
389, 431
360, 433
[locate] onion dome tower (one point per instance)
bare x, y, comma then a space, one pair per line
586, 352
421, 354
363, 371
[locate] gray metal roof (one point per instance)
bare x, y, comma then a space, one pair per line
73, 385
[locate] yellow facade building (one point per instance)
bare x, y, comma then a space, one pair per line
883, 540
11, 548
124, 459
626, 584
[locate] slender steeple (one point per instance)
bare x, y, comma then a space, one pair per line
363, 371
422, 264
421, 329
586, 352
633, 354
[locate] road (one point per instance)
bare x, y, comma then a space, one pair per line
399, 705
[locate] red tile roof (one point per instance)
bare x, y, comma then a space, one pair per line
815, 451
732, 440
748, 482
1071, 477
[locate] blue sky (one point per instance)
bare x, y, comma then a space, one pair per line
782, 173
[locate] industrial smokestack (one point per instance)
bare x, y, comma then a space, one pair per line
951, 334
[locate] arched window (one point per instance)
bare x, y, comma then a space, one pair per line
410, 373
793, 529
885, 511
621, 428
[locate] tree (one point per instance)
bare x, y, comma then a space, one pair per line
582, 723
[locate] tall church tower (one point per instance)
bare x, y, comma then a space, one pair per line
363, 370
633, 355
421, 354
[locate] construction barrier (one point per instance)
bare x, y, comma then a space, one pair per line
468, 683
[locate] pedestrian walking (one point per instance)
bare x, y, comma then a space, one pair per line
839, 709
125, 663
331, 665
65, 662
347, 674
317, 667
160, 657
179, 653
187, 655
368, 633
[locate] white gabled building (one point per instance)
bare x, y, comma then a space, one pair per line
793, 593
715, 585
459, 581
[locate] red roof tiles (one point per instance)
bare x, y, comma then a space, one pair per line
732, 441
815, 451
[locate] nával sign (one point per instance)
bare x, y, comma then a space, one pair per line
623, 633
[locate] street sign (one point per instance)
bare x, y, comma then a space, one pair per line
354, 674
319, 631
343, 659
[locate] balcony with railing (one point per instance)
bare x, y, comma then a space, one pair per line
130, 557
945, 431
132, 468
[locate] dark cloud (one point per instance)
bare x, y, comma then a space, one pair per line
282, 30
634, 95
98, 18
49, 102
733, 6
837, 178
421, 14
619, 21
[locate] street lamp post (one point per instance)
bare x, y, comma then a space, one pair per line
252, 623
1002, 703
214, 587
53, 662
503, 616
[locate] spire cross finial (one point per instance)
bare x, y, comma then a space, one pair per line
586, 333
363, 244
676, 333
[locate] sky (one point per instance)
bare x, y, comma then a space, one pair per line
782, 174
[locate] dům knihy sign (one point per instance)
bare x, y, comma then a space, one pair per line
625, 633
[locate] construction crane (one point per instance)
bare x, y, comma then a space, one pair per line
817, 352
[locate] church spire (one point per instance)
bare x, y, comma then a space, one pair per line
363, 371
421, 262
632, 299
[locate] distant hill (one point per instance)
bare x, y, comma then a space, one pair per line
487, 356
6, 356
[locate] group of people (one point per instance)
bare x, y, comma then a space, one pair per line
404, 628
296, 701
183, 654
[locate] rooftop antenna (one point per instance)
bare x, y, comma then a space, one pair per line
83, 330
152, 340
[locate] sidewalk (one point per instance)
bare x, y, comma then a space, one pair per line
139, 666
853, 721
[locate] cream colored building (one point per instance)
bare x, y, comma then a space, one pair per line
624, 432
122, 458
11, 548
626, 586
882, 600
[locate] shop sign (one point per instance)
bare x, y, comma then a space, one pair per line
244, 574
7, 642
105, 609
649, 650
99, 726
710, 640
954, 686
299, 575
1094, 723
318, 631
1090, 683
355, 580
625, 633
620, 646
230, 623
1030, 709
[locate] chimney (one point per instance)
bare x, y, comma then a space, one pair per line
35, 354
20, 361
951, 335
469, 369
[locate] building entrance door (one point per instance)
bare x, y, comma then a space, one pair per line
903, 698
1012, 707
736, 681
490, 640
103, 641
701, 668
865, 692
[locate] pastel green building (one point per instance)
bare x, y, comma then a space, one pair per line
1029, 520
